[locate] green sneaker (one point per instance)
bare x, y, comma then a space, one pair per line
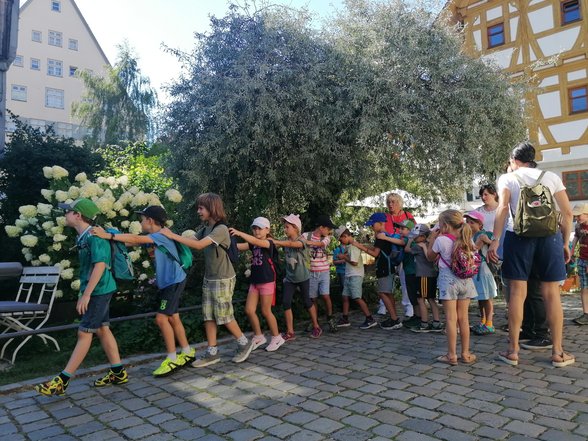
111, 378
53, 387
185, 359
167, 367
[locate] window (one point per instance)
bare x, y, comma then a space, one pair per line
55, 38
56, 6
19, 93
17, 61
496, 35
576, 183
73, 44
35, 64
54, 68
37, 36
570, 11
54, 98
72, 71
578, 99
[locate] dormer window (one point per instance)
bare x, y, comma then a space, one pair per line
496, 35
570, 11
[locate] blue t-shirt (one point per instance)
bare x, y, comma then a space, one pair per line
340, 268
167, 270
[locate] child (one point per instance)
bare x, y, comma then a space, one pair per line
484, 280
426, 275
320, 274
581, 237
297, 276
171, 281
97, 285
219, 279
453, 291
339, 264
353, 280
262, 286
383, 269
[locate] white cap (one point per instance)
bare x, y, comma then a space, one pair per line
294, 219
339, 231
260, 222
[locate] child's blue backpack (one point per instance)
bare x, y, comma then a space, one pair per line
396, 254
184, 258
121, 265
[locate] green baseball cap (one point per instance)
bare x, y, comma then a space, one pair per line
84, 206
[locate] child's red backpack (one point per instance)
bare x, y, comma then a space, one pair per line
464, 265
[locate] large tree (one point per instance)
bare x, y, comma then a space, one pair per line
119, 105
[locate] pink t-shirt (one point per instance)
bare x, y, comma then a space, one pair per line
319, 260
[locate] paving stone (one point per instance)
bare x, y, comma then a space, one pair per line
264, 422
190, 434
492, 433
351, 434
421, 426
525, 428
225, 426
141, 431
245, 435
388, 431
283, 430
359, 422
556, 435
43, 434
454, 435
324, 425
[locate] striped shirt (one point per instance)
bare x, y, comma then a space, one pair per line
319, 261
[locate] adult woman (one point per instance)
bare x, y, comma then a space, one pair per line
490, 199
545, 256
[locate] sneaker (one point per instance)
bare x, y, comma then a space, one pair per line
167, 367
53, 387
537, 344
437, 327
288, 336
316, 333
476, 328
206, 360
423, 327
391, 324
582, 320
275, 343
112, 378
411, 322
185, 359
332, 324
483, 330
367, 324
258, 340
243, 352
524, 336
343, 323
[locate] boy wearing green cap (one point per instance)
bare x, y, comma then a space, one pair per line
97, 285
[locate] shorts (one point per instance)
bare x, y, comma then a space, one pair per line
452, 287
412, 288
290, 288
97, 314
169, 298
217, 300
582, 273
542, 255
386, 284
320, 283
485, 283
353, 286
263, 289
428, 287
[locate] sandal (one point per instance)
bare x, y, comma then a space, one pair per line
469, 359
507, 357
447, 360
566, 359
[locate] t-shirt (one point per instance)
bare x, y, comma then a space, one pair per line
484, 250
382, 266
391, 220
296, 258
319, 260
529, 177
354, 254
262, 271
424, 267
92, 250
340, 267
217, 265
581, 232
167, 270
444, 246
408, 264
489, 217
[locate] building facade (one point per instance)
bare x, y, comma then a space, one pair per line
544, 42
54, 41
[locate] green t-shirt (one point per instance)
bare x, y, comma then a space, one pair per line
217, 265
408, 263
297, 263
92, 250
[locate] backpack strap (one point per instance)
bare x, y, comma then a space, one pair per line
169, 254
453, 239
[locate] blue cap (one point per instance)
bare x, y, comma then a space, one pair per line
376, 217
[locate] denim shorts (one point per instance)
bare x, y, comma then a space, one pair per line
169, 298
97, 314
352, 287
320, 283
542, 255
452, 287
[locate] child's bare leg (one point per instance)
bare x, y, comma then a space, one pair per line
390, 304
464, 326
270, 318
80, 352
251, 311
363, 306
424, 312
450, 307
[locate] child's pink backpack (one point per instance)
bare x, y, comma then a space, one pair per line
463, 264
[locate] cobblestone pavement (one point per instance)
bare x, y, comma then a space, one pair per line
354, 385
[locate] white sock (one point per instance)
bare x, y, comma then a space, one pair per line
187, 350
242, 340
172, 356
212, 350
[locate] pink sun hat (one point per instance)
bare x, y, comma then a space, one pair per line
475, 215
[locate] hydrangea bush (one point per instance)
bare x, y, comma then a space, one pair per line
46, 240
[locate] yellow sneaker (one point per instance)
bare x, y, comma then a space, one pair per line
53, 387
167, 367
185, 359
111, 378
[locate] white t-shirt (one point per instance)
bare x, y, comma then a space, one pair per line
489, 217
443, 246
529, 177
354, 256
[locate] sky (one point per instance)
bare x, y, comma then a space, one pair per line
146, 24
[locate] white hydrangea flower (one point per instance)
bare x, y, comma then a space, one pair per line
173, 195
135, 227
153, 199
73, 192
101, 180
75, 285
139, 200
67, 274
247, 272
143, 276
28, 240
123, 180
59, 172
21, 223
57, 230
44, 209
64, 264
47, 194
35, 262
169, 223
81, 177
33, 221
134, 190
59, 238
28, 211
111, 214
125, 224
61, 195
135, 255
56, 246
60, 221
145, 264
125, 198
13, 230
58, 294
112, 182
48, 172
189, 233
47, 225
104, 204
124, 212
25, 250
28, 257
90, 189
117, 206
45, 258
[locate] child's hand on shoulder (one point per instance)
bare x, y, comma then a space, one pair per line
235, 232
167, 232
99, 232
